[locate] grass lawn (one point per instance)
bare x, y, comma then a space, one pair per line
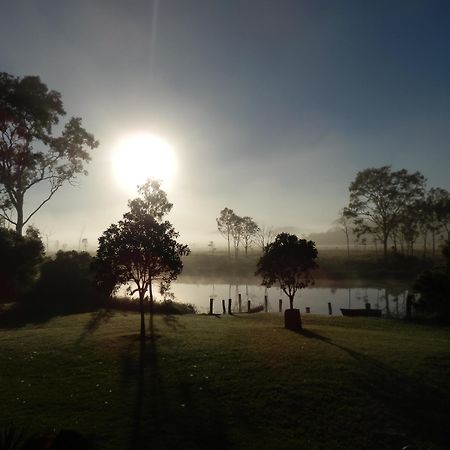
232, 382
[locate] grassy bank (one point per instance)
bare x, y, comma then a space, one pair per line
233, 382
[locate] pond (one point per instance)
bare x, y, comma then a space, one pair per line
314, 298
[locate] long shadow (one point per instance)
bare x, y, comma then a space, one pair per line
97, 319
165, 410
423, 408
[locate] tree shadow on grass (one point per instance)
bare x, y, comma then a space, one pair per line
98, 318
423, 409
167, 412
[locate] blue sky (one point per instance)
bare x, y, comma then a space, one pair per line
272, 106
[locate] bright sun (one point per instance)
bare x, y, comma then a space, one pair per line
143, 156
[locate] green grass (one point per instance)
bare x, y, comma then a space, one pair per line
232, 382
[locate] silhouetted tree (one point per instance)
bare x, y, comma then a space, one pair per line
30, 154
140, 249
288, 261
377, 198
344, 222
441, 203
434, 289
225, 225
249, 229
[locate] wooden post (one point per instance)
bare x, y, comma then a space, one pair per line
266, 304
211, 303
409, 299
330, 310
240, 302
229, 306
280, 305
368, 306
248, 306
223, 307
308, 310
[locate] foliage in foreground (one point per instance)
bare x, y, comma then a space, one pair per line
434, 289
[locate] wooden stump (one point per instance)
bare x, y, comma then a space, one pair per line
292, 319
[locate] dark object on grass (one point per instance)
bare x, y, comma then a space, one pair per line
292, 320
362, 312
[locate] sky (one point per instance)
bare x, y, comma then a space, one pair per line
271, 107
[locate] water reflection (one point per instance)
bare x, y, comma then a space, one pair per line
392, 304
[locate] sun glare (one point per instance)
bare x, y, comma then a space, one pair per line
144, 156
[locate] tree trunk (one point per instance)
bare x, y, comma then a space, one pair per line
141, 307
385, 241
19, 210
150, 319
433, 234
348, 243
229, 248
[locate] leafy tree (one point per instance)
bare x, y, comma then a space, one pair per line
377, 198
30, 154
225, 224
249, 229
139, 250
441, 204
288, 261
20, 257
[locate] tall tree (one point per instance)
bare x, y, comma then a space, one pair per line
377, 198
441, 202
264, 235
289, 262
237, 226
140, 250
30, 154
249, 229
225, 223
344, 223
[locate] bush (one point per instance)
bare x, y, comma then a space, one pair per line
164, 307
66, 284
20, 257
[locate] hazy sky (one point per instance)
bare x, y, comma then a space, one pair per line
271, 106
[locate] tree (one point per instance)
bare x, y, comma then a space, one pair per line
236, 233
441, 202
249, 229
30, 154
140, 249
225, 225
344, 222
288, 261
264, 236
377, 198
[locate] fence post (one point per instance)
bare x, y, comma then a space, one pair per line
211, 302
223, 307
266, 304
229, 306
248, 306
330, 310
240, 302
308, 310
280, 305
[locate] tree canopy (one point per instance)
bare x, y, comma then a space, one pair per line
379, 197
288, 261
30, 153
